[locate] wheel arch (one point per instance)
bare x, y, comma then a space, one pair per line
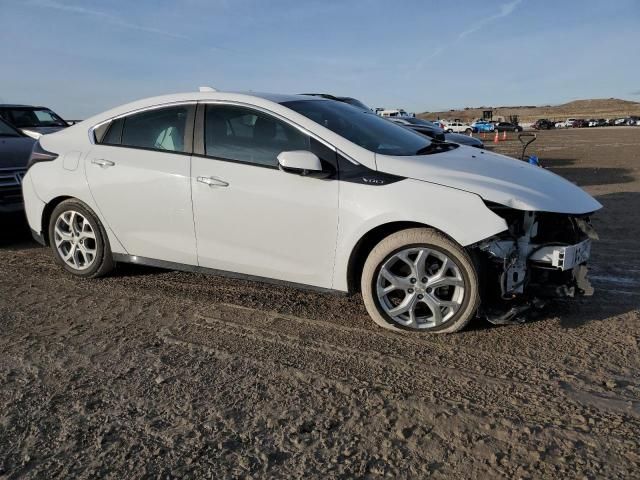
46, 214
368, 241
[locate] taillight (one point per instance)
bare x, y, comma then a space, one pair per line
39, 154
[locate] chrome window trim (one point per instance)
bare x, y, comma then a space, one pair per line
92, 138
223, 102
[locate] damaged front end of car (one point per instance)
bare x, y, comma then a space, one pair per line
542, 256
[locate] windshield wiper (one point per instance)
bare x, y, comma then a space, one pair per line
425, 150
436, 146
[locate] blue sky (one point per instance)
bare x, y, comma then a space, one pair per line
82, 57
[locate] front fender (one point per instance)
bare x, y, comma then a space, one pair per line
461, 215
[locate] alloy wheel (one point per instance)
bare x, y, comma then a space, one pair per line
420, 287
75, 240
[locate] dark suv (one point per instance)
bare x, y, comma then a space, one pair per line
15, 149
34, 121
544, 124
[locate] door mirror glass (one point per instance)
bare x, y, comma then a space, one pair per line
301, 162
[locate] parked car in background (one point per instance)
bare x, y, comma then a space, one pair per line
480, 126
313, 192
506, 127
458, 127
430, 129
544, 124
33, 121
568, 123
15, 149
602, 122
393, 112
620, 121
580, 123
592, 122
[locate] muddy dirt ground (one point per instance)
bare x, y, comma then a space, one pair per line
157, 374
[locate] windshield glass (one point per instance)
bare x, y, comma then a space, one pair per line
7, 131
367, 130
34, 117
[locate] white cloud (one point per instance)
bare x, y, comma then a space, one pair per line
506, 9
112, 19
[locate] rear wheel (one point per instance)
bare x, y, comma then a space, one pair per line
78, 240
468, 131
419, 280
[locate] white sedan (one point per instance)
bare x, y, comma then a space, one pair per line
310, 192
458, 127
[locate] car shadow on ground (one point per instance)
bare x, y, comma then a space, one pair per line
552, 163
617, 275
15, 233
585, 176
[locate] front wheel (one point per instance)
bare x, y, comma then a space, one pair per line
78, 240
419, 280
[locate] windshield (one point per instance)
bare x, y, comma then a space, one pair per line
7, 131
367, 130
34, 117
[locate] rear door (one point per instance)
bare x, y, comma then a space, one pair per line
139, 176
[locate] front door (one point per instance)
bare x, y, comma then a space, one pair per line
253, 218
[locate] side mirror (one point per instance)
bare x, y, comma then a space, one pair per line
301, 162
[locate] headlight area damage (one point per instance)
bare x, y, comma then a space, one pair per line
542, 256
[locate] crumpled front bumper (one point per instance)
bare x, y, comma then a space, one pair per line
538, 259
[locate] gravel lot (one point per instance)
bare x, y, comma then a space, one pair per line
158, 374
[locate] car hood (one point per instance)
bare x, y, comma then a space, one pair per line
15, 151
495, 178
462, 139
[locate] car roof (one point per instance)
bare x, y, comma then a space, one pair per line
15, 105
197, 97
280, 97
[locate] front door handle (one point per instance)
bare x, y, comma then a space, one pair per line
101, 162
213, 181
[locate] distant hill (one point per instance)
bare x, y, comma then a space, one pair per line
593, 108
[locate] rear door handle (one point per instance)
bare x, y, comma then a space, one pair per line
101, 162
213, 181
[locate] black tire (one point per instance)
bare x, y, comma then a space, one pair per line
103, 261
468, 131
434, 240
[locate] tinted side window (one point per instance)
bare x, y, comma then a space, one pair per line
114, 134
244, 135
160, 129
